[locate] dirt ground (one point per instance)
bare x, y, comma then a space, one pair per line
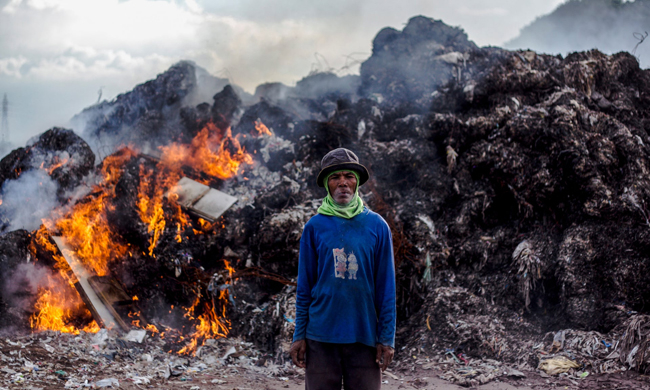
69, 362
420, 379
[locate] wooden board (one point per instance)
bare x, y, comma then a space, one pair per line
100, 312
202, 200
116, 300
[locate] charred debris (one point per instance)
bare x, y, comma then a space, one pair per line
516, 186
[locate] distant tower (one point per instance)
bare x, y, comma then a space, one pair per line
4, 129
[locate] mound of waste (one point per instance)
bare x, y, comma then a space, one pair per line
515, 184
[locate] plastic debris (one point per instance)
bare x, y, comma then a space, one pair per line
136, 335
557, 365
108, 382
100, 338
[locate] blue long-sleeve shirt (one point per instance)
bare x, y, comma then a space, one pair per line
346, 281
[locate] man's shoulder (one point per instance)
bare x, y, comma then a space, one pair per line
316, 220
369, 217
373, 217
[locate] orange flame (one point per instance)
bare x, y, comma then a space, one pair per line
210, 326
96, 245
42, 238
199, 155
152, 328
150, 207
88, 231
261, 128
56, 307
112, 166
223, 163
229, 268
51, 314
55, 164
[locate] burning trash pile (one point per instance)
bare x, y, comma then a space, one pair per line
515, 185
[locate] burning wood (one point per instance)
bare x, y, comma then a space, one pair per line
103, 314
200, 199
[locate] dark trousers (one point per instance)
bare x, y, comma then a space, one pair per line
354, 364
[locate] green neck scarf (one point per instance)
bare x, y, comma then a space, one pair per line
333, 209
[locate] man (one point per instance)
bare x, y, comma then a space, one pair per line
345, 302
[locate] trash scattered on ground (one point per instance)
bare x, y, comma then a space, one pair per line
73, 362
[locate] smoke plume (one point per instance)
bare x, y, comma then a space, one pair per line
579, 25
28, 199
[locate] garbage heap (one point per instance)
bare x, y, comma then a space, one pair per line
515, 185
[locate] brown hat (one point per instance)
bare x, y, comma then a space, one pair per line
341, 159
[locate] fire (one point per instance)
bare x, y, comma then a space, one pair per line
229, 268
87, 230
52, 314
261, 128
56, 163
92, 328
112, 165
210, 326
150, 207
210, 152
42, 238
56, 307
85, 226
152, 328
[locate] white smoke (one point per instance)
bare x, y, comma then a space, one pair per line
578, 25
23, 284
28, 199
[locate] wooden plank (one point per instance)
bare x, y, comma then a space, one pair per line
202, 200
99, 311
117, 301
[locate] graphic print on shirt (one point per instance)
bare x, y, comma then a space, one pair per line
353, 267
344, 263
340, 261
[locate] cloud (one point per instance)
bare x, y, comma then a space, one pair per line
256, 42
56, 54
482, 11
104, 63
137, 26
11, 66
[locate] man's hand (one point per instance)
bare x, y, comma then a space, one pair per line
384, 356
297, 351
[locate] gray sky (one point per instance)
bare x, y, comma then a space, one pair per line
55, 55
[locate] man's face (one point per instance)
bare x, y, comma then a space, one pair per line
342, 186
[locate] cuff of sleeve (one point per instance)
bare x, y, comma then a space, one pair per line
390, 343
298, 337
